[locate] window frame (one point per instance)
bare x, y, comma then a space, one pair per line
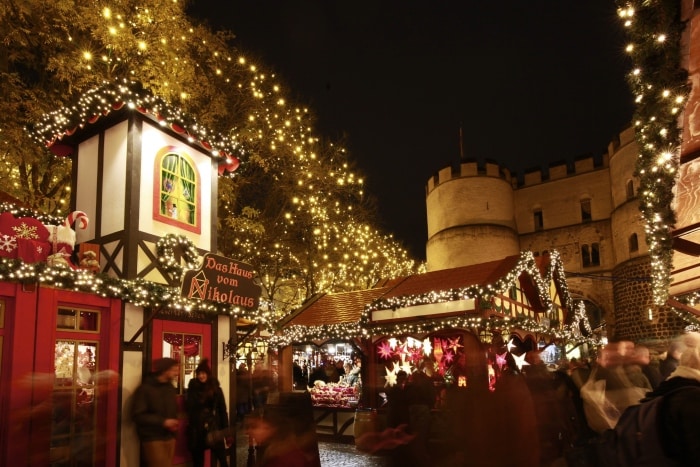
158, 184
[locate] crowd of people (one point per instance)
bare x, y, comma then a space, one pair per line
533, 415
329, 371
154, 410
536, 415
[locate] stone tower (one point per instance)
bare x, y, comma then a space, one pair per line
470, 216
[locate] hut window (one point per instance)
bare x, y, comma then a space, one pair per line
177, 189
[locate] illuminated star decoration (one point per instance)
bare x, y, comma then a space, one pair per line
449, 356
390, 376
501, 360
520, 360
454, 344
384, 350
427, 346
401, 349
415, 355
511, 346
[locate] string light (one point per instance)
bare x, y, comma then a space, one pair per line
654, 30
482, 292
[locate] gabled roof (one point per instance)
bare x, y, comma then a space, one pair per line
456, 278
338, 308
349, 314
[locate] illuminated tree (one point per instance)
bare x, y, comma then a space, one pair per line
294, 209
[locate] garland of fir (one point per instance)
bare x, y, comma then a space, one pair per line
139, 292
112, 96
165, 251
364, 328
660, 86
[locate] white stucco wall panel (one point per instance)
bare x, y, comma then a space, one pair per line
113, 179
153, 140
88, 157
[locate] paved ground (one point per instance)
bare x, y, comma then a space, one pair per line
332, 455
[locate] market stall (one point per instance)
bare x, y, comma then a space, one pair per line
457, 326
322, 351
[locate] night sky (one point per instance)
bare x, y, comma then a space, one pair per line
528, 81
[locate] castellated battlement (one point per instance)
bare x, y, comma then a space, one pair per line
553, 171
469, 168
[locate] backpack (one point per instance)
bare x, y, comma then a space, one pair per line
635, 440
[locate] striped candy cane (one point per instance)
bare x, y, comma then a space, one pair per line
75, 216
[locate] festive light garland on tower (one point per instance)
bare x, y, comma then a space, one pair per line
659, 84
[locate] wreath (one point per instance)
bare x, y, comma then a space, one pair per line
165, 250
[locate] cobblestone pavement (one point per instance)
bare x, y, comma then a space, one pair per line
332, 455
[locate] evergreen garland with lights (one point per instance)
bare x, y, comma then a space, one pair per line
112, 96
365, 328
165, 250
659, 84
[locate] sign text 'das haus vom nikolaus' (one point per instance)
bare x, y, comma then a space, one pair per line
223, 280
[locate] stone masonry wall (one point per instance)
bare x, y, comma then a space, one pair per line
632, 303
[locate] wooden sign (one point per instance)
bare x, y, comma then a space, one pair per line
223, 280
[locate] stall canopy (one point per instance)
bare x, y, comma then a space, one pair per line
521, 291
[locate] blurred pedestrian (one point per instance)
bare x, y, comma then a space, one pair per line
262, 385
680, 430
672, 360
243, 390
154, 412
421, 399
206, 413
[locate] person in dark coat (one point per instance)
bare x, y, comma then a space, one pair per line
397, 400
206, 411
154, 411
680, 430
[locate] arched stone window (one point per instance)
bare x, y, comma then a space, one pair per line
629, 189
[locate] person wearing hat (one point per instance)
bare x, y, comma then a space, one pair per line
154, 411
206, 412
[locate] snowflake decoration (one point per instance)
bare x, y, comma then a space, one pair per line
26, 231
384, 350
8, 243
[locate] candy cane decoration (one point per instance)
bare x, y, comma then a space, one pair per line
75, 216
